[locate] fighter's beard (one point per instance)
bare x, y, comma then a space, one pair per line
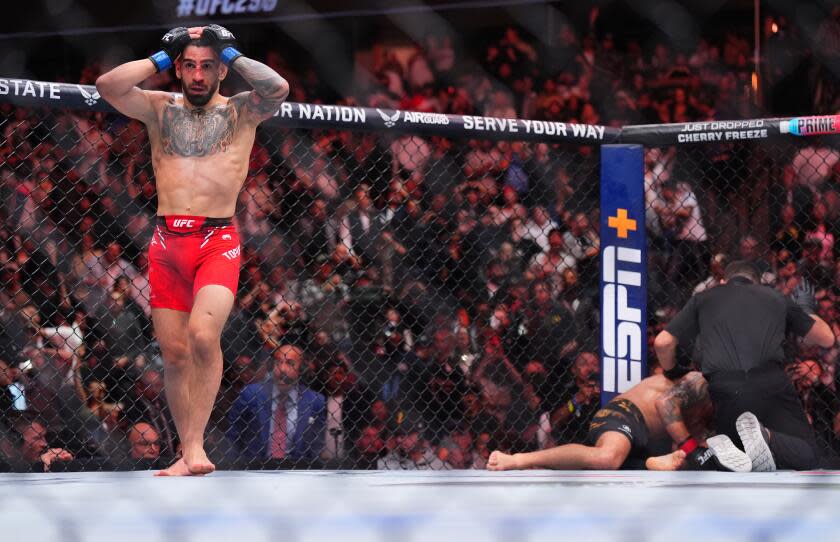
199, 100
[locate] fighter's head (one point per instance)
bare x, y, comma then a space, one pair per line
200, 70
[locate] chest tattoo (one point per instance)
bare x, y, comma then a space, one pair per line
200, 132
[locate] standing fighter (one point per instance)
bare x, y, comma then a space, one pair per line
639, 428
201, 143
740, 327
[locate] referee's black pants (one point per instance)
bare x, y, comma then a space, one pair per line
768, 393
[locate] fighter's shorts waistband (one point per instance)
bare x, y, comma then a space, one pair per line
624, 407
191, 224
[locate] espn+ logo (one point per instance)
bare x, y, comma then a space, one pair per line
623, 330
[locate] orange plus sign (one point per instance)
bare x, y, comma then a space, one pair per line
621, 223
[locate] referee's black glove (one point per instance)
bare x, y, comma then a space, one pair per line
676, 372
805, 295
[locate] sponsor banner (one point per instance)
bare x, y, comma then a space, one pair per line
297, 115
294, 115
808, 126
724, 131
623, 270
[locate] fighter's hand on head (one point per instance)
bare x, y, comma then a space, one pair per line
172, 45
223, 41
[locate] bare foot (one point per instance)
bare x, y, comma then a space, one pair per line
179, 468
672, 461
198, 464
499, 461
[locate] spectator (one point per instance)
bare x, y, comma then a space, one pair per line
438, 387
570, 421
681, 216
583, 243
357, 231
35, 449
339, 387
118, 324
411, 449
820, 233
8, 395
147, 405
369, 447
716, 266
105, 269
789, 236
550, 325
279, 418
550, 264
144, 442
540, 225
316, 232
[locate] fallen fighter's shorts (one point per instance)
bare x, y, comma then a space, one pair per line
188, 253
621, 416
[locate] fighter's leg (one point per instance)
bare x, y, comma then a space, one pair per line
211, 309
171, 331
609, 453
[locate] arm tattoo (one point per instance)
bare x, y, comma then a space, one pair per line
270, 90
691, 391
198, 132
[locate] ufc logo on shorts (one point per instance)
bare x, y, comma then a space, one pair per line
232, 253
182, 223
622, 340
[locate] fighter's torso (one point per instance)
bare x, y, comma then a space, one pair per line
644, 396
200, 157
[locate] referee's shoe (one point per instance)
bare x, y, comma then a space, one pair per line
727, 456
755, 439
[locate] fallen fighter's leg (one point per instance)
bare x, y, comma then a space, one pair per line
609, 453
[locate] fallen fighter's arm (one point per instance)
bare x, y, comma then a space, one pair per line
691, 391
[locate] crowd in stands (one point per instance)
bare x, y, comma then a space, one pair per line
405, 301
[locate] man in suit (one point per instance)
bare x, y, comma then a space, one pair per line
279, 418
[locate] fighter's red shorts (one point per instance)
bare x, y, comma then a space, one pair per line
187, 253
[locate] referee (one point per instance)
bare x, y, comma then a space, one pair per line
740, 327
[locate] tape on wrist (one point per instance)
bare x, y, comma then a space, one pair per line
228, 55
688, 445
161, 61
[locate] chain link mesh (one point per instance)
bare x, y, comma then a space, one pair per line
775, 203
443, 294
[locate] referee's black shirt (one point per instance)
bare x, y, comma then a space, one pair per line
741, 325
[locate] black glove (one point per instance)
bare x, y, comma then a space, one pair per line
676, 372
805, 296
223, 41
702, 458
172, 45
